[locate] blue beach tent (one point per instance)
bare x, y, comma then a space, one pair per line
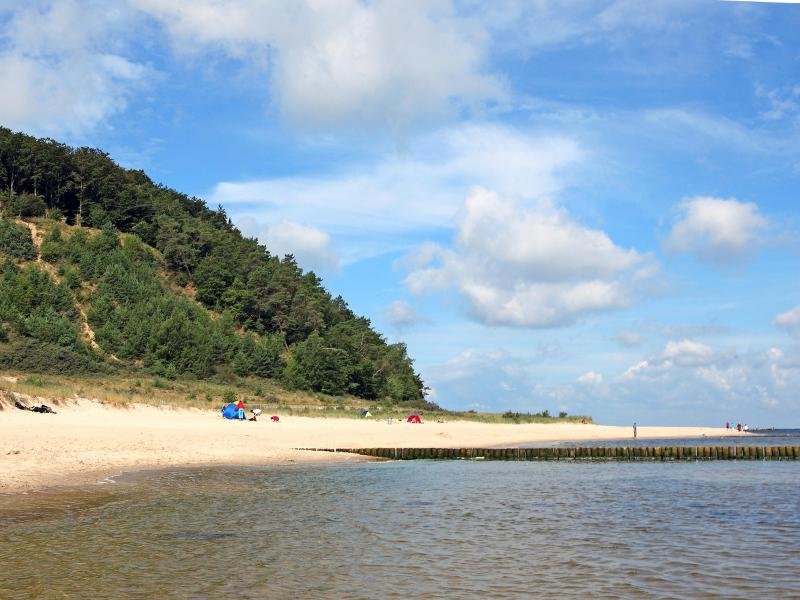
230, 412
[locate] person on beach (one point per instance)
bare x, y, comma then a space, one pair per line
240, 410
634, 431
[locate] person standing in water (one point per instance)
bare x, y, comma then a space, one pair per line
634, 431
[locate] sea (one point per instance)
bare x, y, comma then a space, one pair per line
414, 529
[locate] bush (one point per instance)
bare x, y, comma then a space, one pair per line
26, 354
27, 205
52, 246
54, 214
16, 241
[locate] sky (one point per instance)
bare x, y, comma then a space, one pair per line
586, 206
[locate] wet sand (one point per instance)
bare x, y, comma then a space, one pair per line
87, 442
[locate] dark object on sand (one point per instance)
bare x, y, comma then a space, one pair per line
37, 409
274, 418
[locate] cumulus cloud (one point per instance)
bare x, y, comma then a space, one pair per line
310, 246
401, 315
715, 230
64, 67
345, 62
693, 378
528, 265
687, 353
789, 321
670, 386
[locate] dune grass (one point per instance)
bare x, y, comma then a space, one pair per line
125, 390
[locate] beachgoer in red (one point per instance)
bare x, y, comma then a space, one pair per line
240, 408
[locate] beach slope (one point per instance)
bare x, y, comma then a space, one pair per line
87, 441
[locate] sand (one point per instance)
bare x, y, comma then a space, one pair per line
87, 442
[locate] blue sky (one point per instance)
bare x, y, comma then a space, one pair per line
581, 206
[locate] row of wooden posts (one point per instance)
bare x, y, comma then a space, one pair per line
652, 453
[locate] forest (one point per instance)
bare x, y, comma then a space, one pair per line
102, 269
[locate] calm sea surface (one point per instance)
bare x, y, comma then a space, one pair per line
766, 437
416, 529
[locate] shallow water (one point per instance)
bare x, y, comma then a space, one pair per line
780, 437
417, 529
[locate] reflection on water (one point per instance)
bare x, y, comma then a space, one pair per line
417, 529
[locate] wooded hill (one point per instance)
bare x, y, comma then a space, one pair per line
101, 269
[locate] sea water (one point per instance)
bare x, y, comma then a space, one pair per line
763, 437
414, 529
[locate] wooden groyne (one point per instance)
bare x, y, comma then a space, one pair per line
587, 453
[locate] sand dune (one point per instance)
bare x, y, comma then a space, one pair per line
86, 441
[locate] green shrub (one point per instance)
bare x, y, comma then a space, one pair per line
52, 246
26, 354
54, 214
27, 205
16, 241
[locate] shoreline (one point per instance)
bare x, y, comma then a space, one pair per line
87, 442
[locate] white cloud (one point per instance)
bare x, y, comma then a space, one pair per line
662, 388
390, 64
401, 314
789, 320
689, 378
687, 353
528, 264
310, 246
590, 378
716, 230
379, 208
62, 68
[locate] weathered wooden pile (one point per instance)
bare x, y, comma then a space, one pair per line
628, 453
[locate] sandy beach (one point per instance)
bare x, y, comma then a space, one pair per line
87, 441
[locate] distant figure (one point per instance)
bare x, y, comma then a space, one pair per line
738, 427
634, 430
274, 418
256, 412
727, 424
240, 410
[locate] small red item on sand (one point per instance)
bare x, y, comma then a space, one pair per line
275, 418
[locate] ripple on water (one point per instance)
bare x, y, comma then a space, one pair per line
415, 530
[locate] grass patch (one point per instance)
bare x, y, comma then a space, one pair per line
125, 390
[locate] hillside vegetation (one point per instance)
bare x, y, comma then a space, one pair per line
104, 271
